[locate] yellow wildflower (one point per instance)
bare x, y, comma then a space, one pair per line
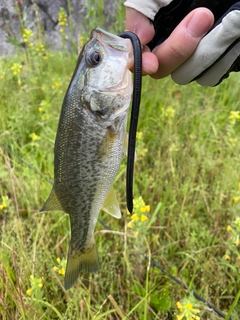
138, 203
233, 141
173, 148
179, 305
143, 152
237, 241
16, 68
229, 228
29, 291
36, 285
61, 268
187, 312
3, 206
227, 257
135, 234
40, 49
27, 35
236, 199
61, 271
34, 136
56, 85
139, 208
237, 222
189, 306
2, 74
145, 209
143, 218
168, 113
134, 217
62, 18
234, 115
130, 224
5, 202
139, 135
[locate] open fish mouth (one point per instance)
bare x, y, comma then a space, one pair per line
111, 40
115, 42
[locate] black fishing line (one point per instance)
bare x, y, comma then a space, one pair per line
9, 150
184, 286
137, 87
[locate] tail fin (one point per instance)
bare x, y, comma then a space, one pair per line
83, 262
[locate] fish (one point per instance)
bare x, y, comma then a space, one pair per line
90, 143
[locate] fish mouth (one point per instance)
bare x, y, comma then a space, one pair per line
112, 40
115, 42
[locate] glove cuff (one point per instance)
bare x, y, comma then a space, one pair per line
148, 8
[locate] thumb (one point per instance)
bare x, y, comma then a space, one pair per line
180, 45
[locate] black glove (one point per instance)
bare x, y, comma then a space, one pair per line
217, 54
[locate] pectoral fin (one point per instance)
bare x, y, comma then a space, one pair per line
111, 205
52, 203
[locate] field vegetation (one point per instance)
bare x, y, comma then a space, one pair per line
187, 198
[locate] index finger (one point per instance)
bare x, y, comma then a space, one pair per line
139, 24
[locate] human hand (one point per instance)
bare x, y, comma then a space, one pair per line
177, 48
217, 54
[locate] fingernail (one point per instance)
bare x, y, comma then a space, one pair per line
199, 25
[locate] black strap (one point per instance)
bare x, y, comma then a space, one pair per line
137, 86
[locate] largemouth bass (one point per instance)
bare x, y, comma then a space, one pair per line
89, 144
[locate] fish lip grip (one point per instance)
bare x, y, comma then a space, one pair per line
137, 87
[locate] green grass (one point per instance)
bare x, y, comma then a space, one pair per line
187, 170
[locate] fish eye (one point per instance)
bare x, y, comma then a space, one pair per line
93, 58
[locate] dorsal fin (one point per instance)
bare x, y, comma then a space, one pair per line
111, 205
52, 202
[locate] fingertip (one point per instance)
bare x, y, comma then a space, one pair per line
200, 21
149, 63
